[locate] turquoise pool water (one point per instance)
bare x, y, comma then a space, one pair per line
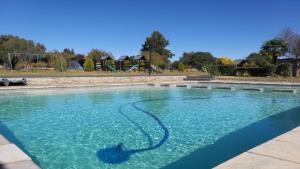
170, 126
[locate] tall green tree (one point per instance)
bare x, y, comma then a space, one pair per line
158, 43
274, 48
68, 54
197, 59
257, 60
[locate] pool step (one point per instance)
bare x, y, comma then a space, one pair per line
225, 87
253, 89
232, 88
201, 87
285, 90
181, 85
165, 85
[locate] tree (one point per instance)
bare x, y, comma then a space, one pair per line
68, 54
156, 58
293, 42
97, 54
225, 61
197, 59
88, 64
60, 63
257, 60
158, 43
40, 48
2, 54
180, 66
14, 44
274, 48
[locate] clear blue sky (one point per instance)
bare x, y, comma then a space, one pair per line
231, 28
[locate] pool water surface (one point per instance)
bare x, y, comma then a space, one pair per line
140, 129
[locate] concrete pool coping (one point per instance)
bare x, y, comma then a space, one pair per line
12, 157
280, 152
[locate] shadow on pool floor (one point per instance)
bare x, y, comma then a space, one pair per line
239, 141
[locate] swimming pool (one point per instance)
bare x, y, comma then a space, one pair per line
158, 128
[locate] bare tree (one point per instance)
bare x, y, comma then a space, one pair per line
293, 41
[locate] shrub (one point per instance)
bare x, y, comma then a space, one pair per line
226, 70
213, 70
88, 64
60, 64
284, 69
225, 61
180, 66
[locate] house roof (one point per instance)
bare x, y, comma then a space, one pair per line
138, 57
238, 61
107, 57
123, 58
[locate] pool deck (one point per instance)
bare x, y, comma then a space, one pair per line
278, 153
11, 157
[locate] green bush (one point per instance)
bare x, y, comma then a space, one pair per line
284, 69
213, 70
88, 64
226, 70
60, 64
180, 66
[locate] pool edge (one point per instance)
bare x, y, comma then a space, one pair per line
11, 156
274, 151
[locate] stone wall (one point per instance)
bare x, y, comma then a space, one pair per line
41, 81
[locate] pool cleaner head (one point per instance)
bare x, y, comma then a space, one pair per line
114, 155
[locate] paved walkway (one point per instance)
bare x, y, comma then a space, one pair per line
282, 152
11, 157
